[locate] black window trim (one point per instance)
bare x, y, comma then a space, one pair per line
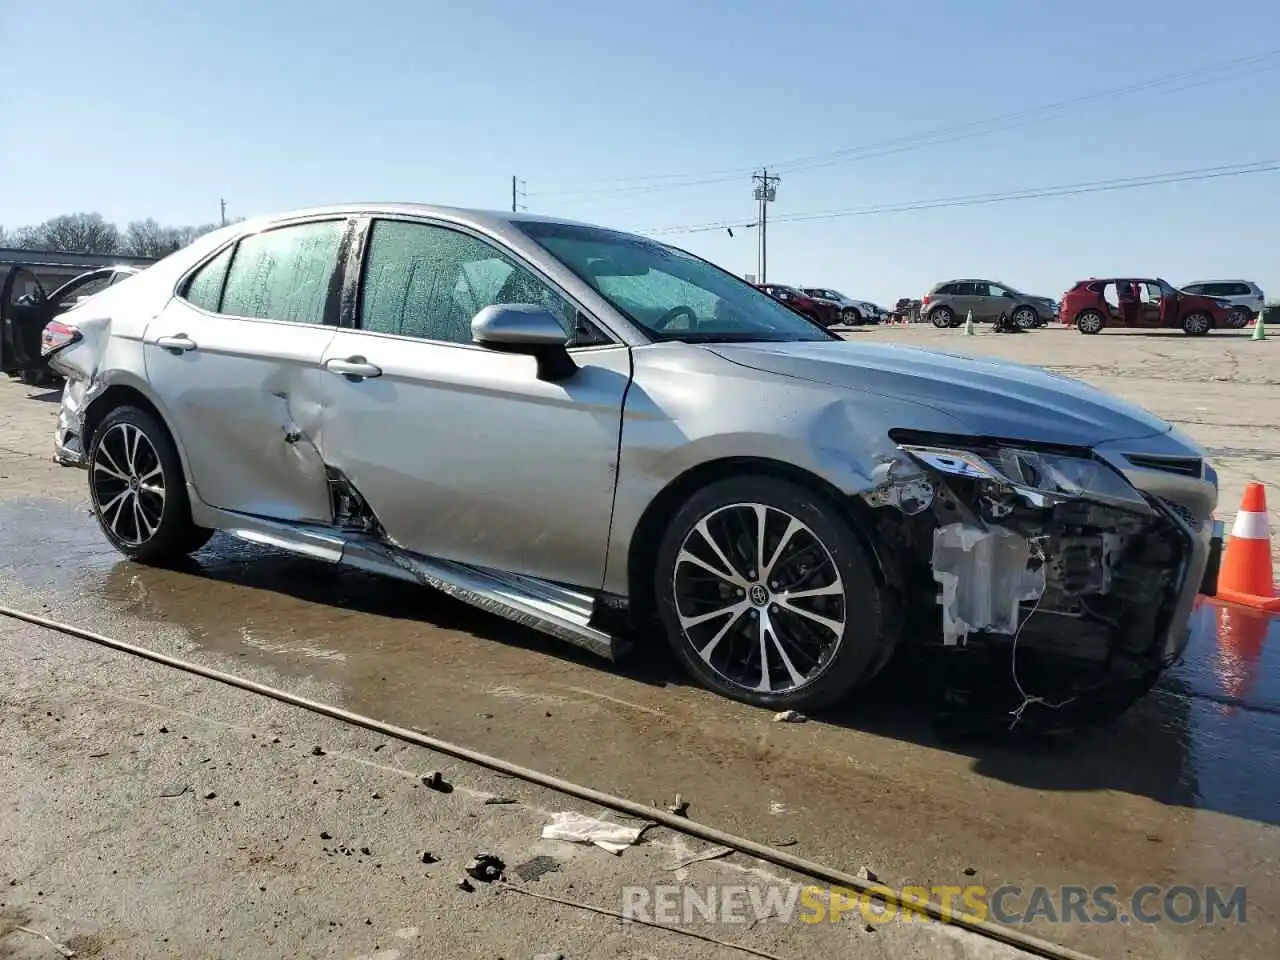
332, 302
352, 287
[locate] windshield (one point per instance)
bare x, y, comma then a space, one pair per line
670, 294
823, 294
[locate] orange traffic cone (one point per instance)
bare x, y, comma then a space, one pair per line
1246, 576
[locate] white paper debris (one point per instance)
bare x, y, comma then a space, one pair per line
579, 828
789, 716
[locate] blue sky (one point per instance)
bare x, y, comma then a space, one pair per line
157, 109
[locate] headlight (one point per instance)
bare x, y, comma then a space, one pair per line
1040, 478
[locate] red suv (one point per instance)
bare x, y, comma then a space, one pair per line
1092, 305
824, 312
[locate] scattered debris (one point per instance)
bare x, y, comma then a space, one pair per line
1154, 838
680, 808
437, 783
175, 790
867, 874
376, 796
486, 867
969, 871
548, 956
62, 949
532, 870
210, 795
275, 739
317, 751
164, 729
429, 857
465, 884
790, 716
786, 842
366, 851
496, 801
378, 747
579, 828
98, 756
325, 835
715, 853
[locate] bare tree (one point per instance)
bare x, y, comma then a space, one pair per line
80, 233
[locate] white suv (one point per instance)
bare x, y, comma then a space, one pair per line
1244, 296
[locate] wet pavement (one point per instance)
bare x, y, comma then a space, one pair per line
1183, 790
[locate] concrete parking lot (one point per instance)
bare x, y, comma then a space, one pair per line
1182, 791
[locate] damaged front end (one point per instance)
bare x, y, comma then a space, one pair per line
1064, 580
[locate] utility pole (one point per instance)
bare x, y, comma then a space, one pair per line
766, 192
518, 194
223, 205
513, 193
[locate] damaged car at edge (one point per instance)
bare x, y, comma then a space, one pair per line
610, 440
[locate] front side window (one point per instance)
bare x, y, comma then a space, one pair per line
284, 274
668, 293
428, 282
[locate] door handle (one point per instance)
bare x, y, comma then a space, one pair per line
353, 368
178, 344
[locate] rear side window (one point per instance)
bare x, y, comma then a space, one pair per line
284, 274
962, 289
204, 290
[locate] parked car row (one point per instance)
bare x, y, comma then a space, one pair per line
824, 305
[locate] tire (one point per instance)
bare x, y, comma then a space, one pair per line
140, 499
851, 317
1090, 322
1238, 319
1025, 318
942, 317
1197, 324
815, 548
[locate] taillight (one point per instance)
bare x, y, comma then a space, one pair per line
924, 301
56, 336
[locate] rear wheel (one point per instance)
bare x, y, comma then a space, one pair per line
1089, 322
1197, 324
137, 488
768, 596
943, 317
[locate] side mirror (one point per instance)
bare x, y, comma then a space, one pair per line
529, 329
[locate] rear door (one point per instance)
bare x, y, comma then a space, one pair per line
235, 359
462, 452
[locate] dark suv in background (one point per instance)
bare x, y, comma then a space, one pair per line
948, 303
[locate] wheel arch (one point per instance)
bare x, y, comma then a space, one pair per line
128, 392
643, 548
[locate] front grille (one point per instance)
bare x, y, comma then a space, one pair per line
1183, 466
1183, 513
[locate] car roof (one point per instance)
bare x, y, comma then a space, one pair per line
1247, 283
492, 220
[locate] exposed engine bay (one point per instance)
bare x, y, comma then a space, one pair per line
1053, 590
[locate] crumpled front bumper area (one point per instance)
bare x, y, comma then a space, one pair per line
1052, 601
68, 444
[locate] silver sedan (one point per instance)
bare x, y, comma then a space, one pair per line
561, 423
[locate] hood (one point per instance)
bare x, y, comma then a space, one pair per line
992, 398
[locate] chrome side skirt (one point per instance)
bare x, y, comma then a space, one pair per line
546, 607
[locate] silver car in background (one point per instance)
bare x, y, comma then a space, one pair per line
560, 423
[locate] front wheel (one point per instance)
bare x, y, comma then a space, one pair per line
767, 595
850, 317
1197, 324
137, 488
1025, 318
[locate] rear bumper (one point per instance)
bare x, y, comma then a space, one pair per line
68, 446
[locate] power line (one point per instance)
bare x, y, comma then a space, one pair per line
979, 199
1183, 80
